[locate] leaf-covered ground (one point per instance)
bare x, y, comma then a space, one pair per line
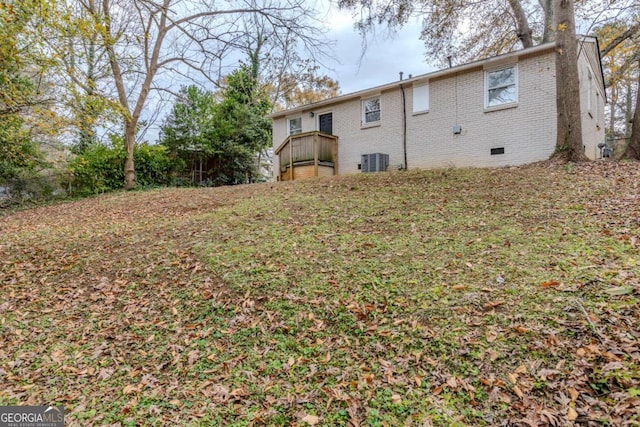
455, 297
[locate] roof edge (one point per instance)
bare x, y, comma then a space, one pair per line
398, 83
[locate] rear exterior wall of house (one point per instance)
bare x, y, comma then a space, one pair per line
510, 134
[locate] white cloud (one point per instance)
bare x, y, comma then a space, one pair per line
384, 57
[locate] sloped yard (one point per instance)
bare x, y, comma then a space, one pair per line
454, 297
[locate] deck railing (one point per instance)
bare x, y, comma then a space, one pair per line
315, 148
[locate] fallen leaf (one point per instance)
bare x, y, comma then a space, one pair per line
572, 415
452, 382
573, 393
494, 304
619, 290
550, 283
129, 389
518, 392
311, 420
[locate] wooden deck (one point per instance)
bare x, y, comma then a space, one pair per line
307, 155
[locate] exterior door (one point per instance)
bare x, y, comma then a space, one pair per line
325, 123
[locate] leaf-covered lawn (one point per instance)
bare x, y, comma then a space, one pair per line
455, 297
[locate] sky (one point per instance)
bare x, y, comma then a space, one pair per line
386, 55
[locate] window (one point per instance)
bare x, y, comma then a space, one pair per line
501, 86
421, 98
295, 125
370, 110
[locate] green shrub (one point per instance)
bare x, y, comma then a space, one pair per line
100, 168
153, 165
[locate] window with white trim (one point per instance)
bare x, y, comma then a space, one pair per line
295, 125
370, 110
501, 86
421, 98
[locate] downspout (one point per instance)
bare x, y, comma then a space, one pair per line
404, 126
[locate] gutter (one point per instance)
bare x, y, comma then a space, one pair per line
404, 126
422, 77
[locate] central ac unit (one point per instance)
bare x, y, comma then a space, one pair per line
376, 162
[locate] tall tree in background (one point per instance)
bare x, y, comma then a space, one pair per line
293, 90
226, 130
24, 102
463, 30
74, 41
469, 29
290, 78
149, 43
620, 53
569, 138
633, 147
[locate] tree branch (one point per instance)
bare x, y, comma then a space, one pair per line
630, 32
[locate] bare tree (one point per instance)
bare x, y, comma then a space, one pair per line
569, 137
150, 43
633, 147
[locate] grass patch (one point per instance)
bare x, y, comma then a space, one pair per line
458, 297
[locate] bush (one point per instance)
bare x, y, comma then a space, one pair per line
96, 170
100, 168
153, 166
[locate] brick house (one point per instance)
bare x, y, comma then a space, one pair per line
493, 112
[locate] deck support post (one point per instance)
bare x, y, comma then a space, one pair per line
335, 156
315, 154
290, 158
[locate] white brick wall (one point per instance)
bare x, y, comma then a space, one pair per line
527, 131
592, 119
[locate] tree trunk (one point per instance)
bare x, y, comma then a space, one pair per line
569, 139
524, 32
633, 148
628, 111
548, 32
129, 143
612, 110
